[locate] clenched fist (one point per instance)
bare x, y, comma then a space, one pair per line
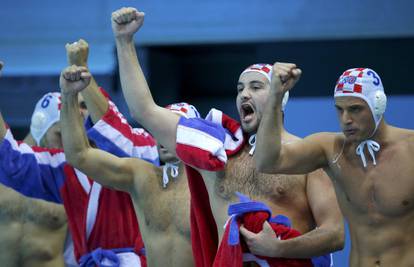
126, 21
74, 79
284, 77
77, 53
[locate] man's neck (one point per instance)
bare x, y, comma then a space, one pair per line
173, 162
380, 136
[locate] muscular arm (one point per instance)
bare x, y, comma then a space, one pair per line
95, 101
328, 236
101, 166
272, 156
160, 122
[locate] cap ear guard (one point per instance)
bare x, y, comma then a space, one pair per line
380, 103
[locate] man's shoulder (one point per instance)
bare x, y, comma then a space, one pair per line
325, 137
402, 135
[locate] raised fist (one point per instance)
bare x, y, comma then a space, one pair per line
126, 21
74, 79
284, 77
77, 53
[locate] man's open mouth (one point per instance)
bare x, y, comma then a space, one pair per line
247, 112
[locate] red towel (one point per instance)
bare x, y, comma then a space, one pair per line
231, 255
204, 237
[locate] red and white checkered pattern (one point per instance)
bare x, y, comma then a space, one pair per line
366, 84
347, 83
265, 69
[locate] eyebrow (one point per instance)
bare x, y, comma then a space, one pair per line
350, 106
255, 81
356, 105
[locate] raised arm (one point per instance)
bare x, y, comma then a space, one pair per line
77, 54
101, 166
272, 156
161, 123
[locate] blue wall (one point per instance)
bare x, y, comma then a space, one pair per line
32, 33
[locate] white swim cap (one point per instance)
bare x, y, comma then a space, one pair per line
46, 113
366, 84
266, 70
184, 109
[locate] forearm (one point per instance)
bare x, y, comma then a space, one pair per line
161, 123
96, 102
315, 243
75, 142
134, 85
269, 135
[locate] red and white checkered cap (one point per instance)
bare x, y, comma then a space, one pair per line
263, 68
366, 84
184, 109
266, 70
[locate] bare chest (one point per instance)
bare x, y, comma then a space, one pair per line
16, 207
168, 209
385, 189
241, 176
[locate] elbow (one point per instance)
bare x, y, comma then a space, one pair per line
135, 115
140, 114
338, 239
340, 243
75, 159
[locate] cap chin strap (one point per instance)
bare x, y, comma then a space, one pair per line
372, 147
252, 143
174, 172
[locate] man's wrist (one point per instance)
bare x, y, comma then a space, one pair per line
80, 64
68, 96
124, 39
278, 249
